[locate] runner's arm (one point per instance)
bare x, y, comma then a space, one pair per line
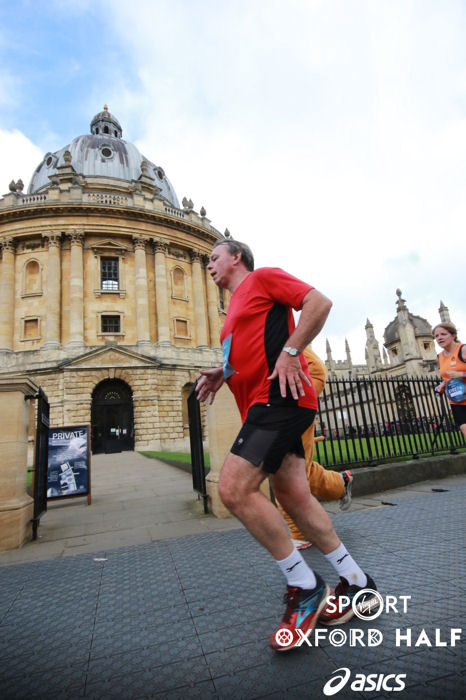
314, 311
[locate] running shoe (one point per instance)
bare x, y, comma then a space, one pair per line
303, 608
345, 501
340, 606
301, 544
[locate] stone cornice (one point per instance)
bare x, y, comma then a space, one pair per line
55, 209
22, 384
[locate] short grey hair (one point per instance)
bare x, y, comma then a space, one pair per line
236, 247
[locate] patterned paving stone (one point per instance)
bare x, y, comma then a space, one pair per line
192, 617
148, 682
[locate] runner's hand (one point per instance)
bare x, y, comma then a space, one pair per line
289, 372
453, 374
209, 383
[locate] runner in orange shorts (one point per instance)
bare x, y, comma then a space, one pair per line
325, 484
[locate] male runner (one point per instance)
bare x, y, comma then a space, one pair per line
265, 370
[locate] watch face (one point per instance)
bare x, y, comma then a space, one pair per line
291, 351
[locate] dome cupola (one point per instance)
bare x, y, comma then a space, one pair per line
106, 123
103, 154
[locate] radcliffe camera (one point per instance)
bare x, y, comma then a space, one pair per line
232, 350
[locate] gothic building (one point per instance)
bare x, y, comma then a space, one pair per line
104, 297
408, 348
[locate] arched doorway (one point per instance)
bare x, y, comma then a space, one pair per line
112, 417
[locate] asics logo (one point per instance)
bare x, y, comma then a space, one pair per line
390, 682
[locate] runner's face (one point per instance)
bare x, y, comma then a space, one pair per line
443, 337
221, 265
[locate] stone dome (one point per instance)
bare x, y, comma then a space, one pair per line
102, 153
421, 328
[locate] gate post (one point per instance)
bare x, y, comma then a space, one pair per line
16, 507
224, 424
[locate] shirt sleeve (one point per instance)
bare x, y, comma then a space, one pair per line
283, 287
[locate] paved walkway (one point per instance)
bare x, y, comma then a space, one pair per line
188, 615
138, 500
135, 500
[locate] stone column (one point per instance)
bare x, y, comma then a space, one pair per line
142, 293
52, 326
16, 507
161, 294
212, 308
200, 312
7, 295
76, 290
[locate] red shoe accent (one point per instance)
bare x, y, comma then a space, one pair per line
303, 608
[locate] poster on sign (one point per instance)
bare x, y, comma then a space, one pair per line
69, 462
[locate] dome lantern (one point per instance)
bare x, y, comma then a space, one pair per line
103, 154
105, 123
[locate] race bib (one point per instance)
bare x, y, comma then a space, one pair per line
456, 390
228, 370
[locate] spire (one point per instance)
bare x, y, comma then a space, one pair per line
369, 331
373, 359
444, 313
348, 355
329, 361
401, 303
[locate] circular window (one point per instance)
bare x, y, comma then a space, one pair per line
160, 173
106, 152
48, 160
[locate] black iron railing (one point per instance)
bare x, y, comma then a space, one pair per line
368, 421
197, 449
40, 460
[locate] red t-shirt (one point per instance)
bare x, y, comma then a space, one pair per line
259, 321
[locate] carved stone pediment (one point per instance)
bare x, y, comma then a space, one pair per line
109, 357
109, 247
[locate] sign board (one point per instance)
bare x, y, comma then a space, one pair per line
69, 462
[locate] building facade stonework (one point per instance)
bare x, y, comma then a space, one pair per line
105, 301
408, 349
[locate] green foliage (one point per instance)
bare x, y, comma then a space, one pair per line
390, 448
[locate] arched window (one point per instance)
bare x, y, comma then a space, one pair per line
178, 276
32, 278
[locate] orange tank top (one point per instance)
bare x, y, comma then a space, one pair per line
452, 362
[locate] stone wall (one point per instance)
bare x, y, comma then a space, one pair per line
157, 401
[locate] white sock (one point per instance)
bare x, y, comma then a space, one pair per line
345, 566
297, 571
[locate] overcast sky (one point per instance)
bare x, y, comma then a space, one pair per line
330, 135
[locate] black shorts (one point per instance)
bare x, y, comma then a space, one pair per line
270, 432
459, 413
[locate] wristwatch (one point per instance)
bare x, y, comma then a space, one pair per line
291, 351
